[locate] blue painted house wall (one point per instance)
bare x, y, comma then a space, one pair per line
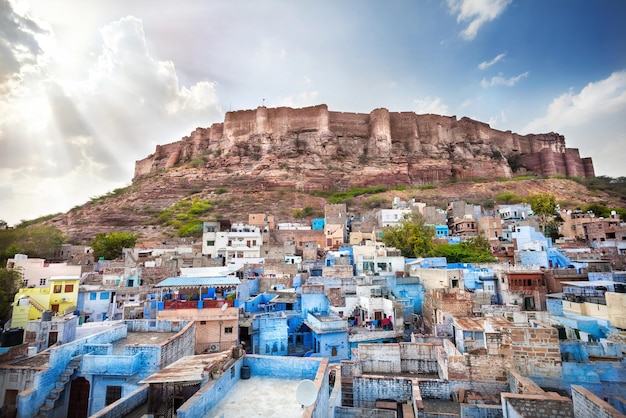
409, 288
271, 335
554, 306
29, 402
317, 224
314, 302
534, 258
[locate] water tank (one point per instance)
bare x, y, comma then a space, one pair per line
12, 337
46, 316
245, 372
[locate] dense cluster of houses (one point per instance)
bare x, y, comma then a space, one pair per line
175, 329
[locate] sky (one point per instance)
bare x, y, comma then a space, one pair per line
89, 87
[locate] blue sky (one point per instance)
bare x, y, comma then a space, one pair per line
87, 88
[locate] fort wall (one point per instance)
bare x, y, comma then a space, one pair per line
455, 148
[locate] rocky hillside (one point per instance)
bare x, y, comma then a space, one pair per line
137, 207
275, 160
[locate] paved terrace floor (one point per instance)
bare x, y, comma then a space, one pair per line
259, 397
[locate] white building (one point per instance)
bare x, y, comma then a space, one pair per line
36, 272
238, 241
391, 217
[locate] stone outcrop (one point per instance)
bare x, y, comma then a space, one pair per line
314, 148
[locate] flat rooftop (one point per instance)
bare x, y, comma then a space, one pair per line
141, 338
260, 397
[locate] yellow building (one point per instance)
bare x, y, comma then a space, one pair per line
616, 306
59, 297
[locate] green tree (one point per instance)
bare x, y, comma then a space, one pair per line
9, 284
305, 212
412, 237
544, 206
41, 241
598, 210
472, 250
109, 246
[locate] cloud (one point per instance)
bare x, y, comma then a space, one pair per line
65, 140
500, 80
593, 120
498, 120
306, 98
477, 12
602, 97
486, 64
19, 48
428, 105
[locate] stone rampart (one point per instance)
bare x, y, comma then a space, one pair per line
428, 148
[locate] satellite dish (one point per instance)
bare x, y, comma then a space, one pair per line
224, 306
306, 392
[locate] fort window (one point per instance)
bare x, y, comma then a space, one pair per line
42, 282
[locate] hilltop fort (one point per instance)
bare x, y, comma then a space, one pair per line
313, 147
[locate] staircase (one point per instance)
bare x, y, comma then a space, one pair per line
46, 410
298, 328
36, 305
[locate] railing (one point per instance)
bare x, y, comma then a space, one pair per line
193, 304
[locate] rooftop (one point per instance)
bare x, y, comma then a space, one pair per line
260, 396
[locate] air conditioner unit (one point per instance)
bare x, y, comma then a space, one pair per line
63, 299
214, 347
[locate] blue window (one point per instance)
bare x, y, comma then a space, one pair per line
92, 296
104, 295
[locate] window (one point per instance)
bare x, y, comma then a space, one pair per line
57, 288
25, 282
113, 394
104, 295
228, 330
210, 228
42, 282
93, 295
210, 243
69, 288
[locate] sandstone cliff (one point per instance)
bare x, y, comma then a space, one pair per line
314, 148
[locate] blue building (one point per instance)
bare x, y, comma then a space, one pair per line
317, 224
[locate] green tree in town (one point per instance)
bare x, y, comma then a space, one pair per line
412, 237
305, 212
109, 246
544, 206
472, 250
42, 241
9, 284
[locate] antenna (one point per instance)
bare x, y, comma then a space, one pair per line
306, 393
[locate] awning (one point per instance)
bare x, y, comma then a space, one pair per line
592, 283
188, 282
